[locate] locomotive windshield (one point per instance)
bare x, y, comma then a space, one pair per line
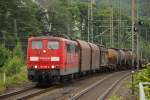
54, 45
36, 45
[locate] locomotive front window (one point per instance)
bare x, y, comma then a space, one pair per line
54, 45
36, 45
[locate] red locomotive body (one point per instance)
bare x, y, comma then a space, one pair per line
48, 57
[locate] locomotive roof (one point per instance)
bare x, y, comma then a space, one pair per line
45, 37
50, 37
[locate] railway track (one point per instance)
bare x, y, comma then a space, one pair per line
6, 95
105, 88
100, 89
36, 92
26, 93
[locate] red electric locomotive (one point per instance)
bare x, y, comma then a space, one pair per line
50, 57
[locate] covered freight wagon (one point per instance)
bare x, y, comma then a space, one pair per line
95, 56
85, 56
103, 57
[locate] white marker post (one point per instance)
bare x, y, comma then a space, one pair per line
4, 77
132, 73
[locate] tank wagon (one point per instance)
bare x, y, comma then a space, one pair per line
113, 58
128, 55
53, 58
122, 59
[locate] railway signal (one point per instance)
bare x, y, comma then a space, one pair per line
135, 27
136, 30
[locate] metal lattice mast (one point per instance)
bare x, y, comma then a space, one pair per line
120, 24
88, 21
112, 26
92, 19
138, 37
133, 24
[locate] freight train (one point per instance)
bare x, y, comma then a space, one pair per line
52, 58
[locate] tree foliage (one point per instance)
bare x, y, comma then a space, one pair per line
18, 20
13, 66
68, 17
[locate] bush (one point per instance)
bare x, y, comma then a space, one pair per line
147, 91
13, 80
4, 54
13, 66
2, 85
18, 78
142, 76
17, 51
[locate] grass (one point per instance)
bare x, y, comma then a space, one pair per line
147, 91
114, 97
2, 85
142, 76
13, 80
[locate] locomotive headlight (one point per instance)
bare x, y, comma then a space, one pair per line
34, 58
52, 66
44, 51
35, 66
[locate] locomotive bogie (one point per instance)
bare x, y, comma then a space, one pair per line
42, 75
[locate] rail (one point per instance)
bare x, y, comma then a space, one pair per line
141, 90
16, 92
100, 82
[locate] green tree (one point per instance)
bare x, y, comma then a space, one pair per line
19, 13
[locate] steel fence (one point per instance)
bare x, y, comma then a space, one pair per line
142, 94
